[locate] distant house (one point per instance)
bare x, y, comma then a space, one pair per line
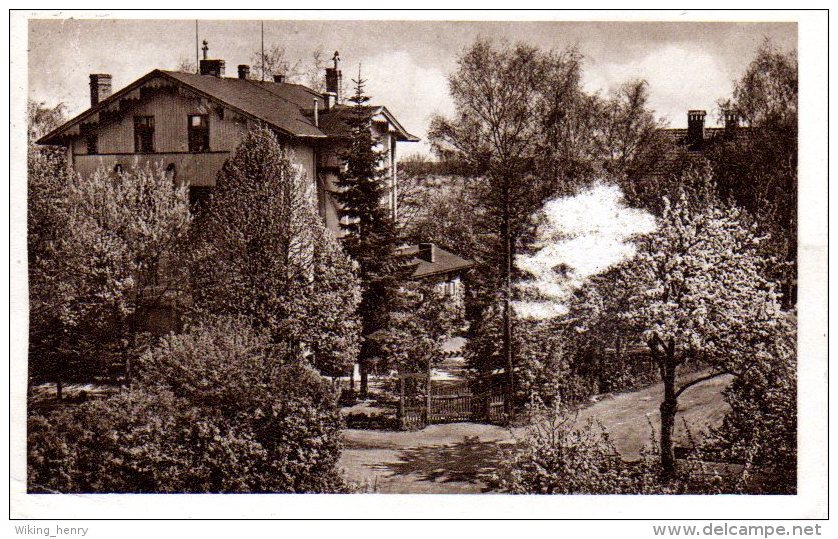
689, 146
442, 268
191, 123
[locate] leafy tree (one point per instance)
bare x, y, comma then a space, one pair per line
370, 231
631, 146
419, 325
41, 119
519, 125
47, 175
698, 295
263, 252
757, 167
761, 428
215, 409
120, 232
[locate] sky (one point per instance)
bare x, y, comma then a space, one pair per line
688, 65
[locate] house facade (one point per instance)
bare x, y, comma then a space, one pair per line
191, 123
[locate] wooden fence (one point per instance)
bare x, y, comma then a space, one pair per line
423, 402
450, 402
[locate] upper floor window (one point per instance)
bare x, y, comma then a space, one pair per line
144, 134
198, 133
92, 144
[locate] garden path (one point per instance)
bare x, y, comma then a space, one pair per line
455, 458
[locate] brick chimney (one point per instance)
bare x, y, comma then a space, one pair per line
244, 71
100, 88
334, 78
695, 129
731, 122
213, 68
427, 252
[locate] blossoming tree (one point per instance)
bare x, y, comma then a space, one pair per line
697, 294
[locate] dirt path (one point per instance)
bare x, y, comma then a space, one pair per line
453, 458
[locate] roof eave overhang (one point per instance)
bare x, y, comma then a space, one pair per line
401, 133
55, 136
463, 267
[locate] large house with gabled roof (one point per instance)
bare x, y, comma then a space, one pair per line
190, 123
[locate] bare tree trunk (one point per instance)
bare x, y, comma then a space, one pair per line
663, 353
429, 396
364, 379
668, 408
507, 303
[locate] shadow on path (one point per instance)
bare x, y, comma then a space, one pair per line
465, 462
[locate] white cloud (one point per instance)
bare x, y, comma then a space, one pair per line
580, 236
411, 92
680, 77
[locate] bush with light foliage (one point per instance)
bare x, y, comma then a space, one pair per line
554, 456
262, 251
215, 409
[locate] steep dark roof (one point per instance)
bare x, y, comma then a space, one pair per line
267, 101
335, 122
444, 262
286, 107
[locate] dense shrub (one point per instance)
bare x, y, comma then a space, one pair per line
555, 455
760, 431
214, 410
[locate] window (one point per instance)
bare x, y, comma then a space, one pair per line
198, 133
198, 198
171, 172
92, 144
144, 134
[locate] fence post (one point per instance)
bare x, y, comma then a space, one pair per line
428, 397
401, 403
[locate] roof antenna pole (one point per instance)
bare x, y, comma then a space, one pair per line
263, 50
197, 61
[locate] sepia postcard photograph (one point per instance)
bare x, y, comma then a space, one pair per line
361, 255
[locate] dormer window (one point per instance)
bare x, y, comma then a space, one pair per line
144, 134
198, 133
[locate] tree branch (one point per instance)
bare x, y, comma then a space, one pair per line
698, 381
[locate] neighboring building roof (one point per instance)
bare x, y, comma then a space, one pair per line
444, 262
286, 107
678, 155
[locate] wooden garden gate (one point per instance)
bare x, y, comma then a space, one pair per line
423, 401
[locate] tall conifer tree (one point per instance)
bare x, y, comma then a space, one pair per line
371, 238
